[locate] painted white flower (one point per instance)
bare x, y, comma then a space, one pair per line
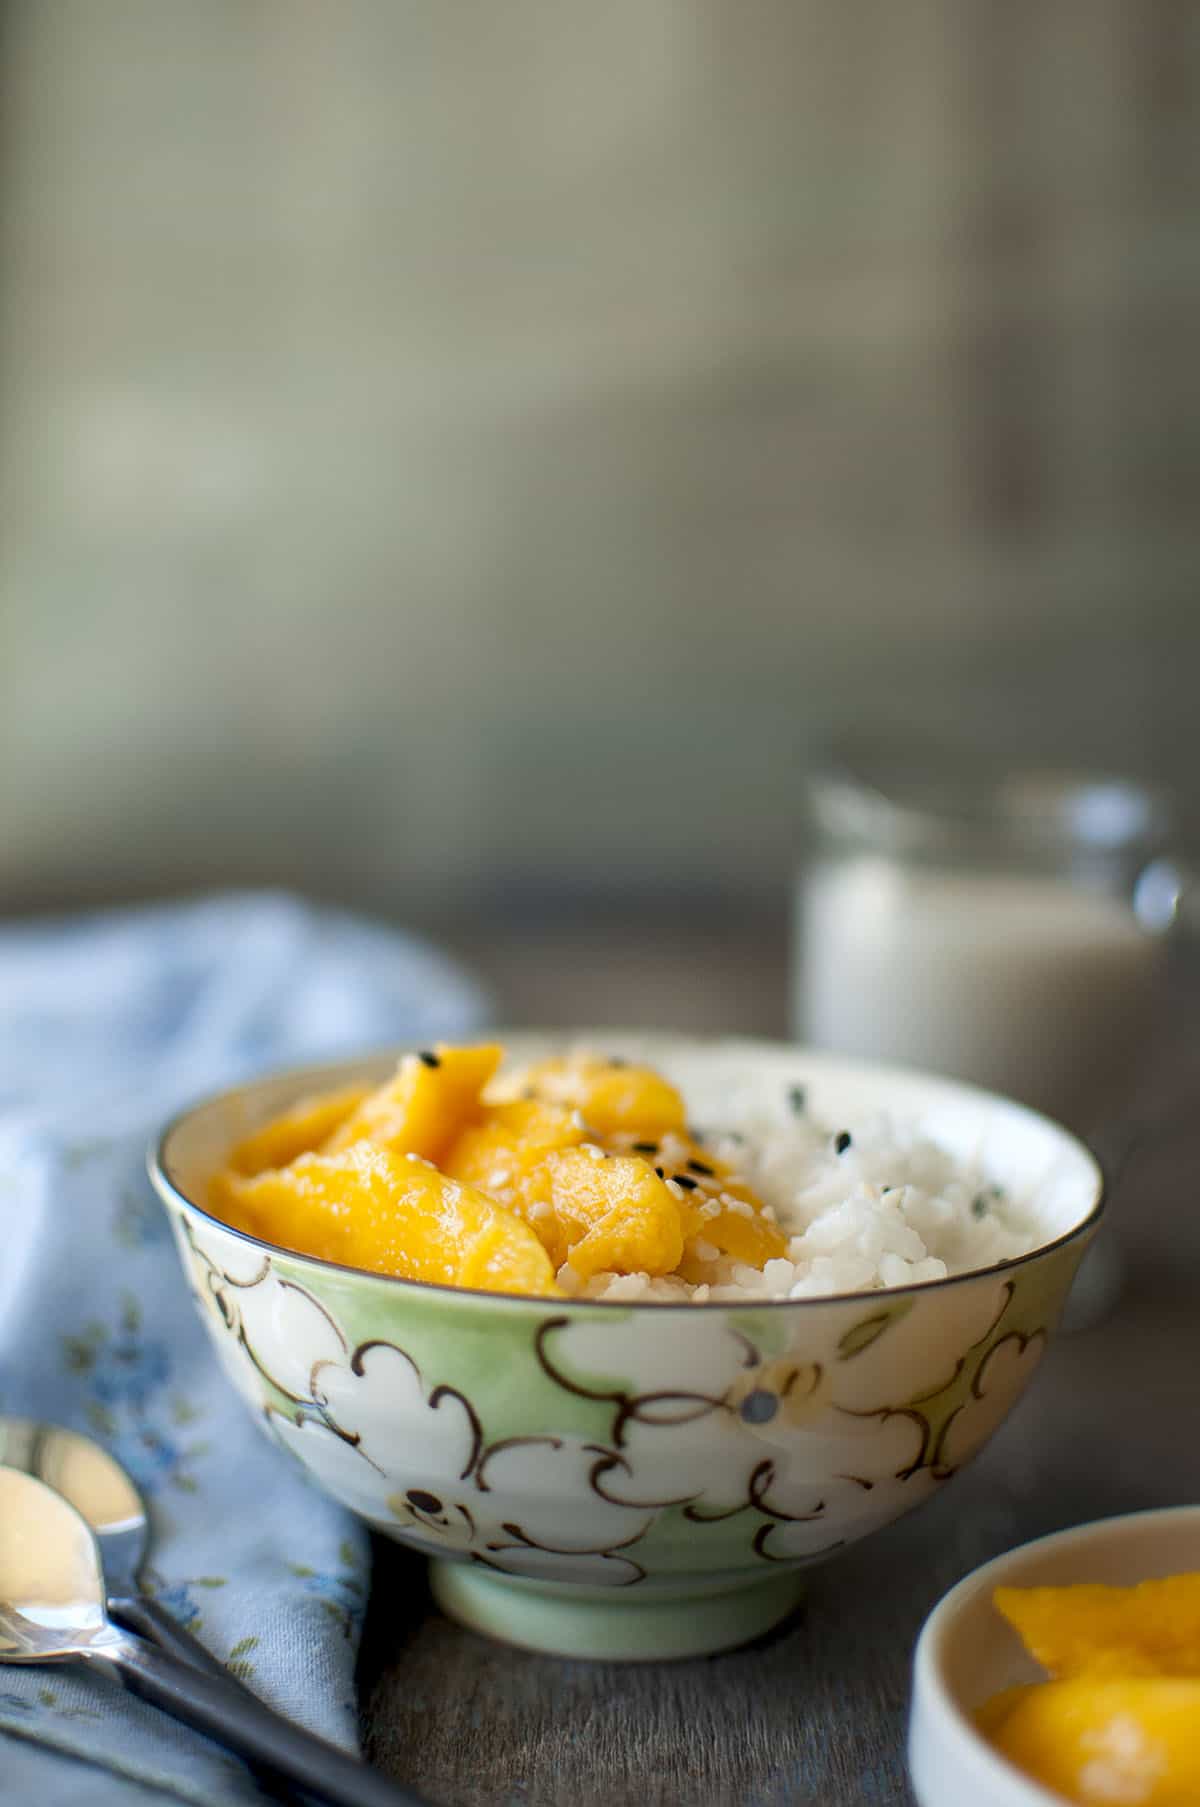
655, 1353
922, 1347
409, 1455
528, 1509
828, 1434
1002, 1378
377, 1400
835, 1470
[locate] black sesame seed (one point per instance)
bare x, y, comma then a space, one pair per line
702, 1167
615, 1060
979, 1205
842, 1141
660, 1173
689, 1185
798, 1099
430, 1060
645, 1147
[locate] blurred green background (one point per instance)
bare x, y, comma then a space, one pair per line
463, 459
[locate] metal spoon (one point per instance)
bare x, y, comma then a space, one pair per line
101, 1491
52, 1610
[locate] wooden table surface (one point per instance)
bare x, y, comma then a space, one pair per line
814, 1716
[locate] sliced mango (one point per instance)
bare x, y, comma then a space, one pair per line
613, 1097
299, 1130
610, 1211
432, 1096
992, 1714
367, 1207
1100, 1740
504, 1155
582, 1159
1150, 1629
716, 1206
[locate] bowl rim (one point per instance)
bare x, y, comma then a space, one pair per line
930, 1694
170, 1193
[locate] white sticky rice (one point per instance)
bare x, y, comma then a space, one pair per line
864, 1206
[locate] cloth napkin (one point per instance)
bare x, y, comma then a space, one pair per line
107, 1025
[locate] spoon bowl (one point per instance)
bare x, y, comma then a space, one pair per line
84, 1473
51, 1584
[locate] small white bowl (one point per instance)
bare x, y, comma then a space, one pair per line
966, 1652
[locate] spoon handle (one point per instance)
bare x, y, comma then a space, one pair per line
137, 1612
237, 1719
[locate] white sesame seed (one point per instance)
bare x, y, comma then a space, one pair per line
674, 1188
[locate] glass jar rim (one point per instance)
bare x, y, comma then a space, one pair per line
908, 799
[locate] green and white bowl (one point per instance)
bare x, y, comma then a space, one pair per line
646, 1480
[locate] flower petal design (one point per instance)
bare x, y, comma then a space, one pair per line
583, 1569
921, 1348
548, 1487
1003, 1376
287, 1334
377, 1399
339, 1466
689, 1362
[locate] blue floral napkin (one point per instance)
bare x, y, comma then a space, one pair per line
108, 1024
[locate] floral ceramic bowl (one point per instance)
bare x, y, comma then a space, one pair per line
635, 1481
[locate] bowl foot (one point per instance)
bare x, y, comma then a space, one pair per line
611, 1625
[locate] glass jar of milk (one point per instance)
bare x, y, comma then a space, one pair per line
1005, 930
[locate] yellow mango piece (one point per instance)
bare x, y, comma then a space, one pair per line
367, 1207
609, 1211
525, 1127
612, 1096
1150, 1629
299, 1130
992, 1714
751, 1238
504, 1156
424, 1106
1100, 1740
717, 1207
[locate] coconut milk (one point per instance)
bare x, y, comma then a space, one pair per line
1033, 986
